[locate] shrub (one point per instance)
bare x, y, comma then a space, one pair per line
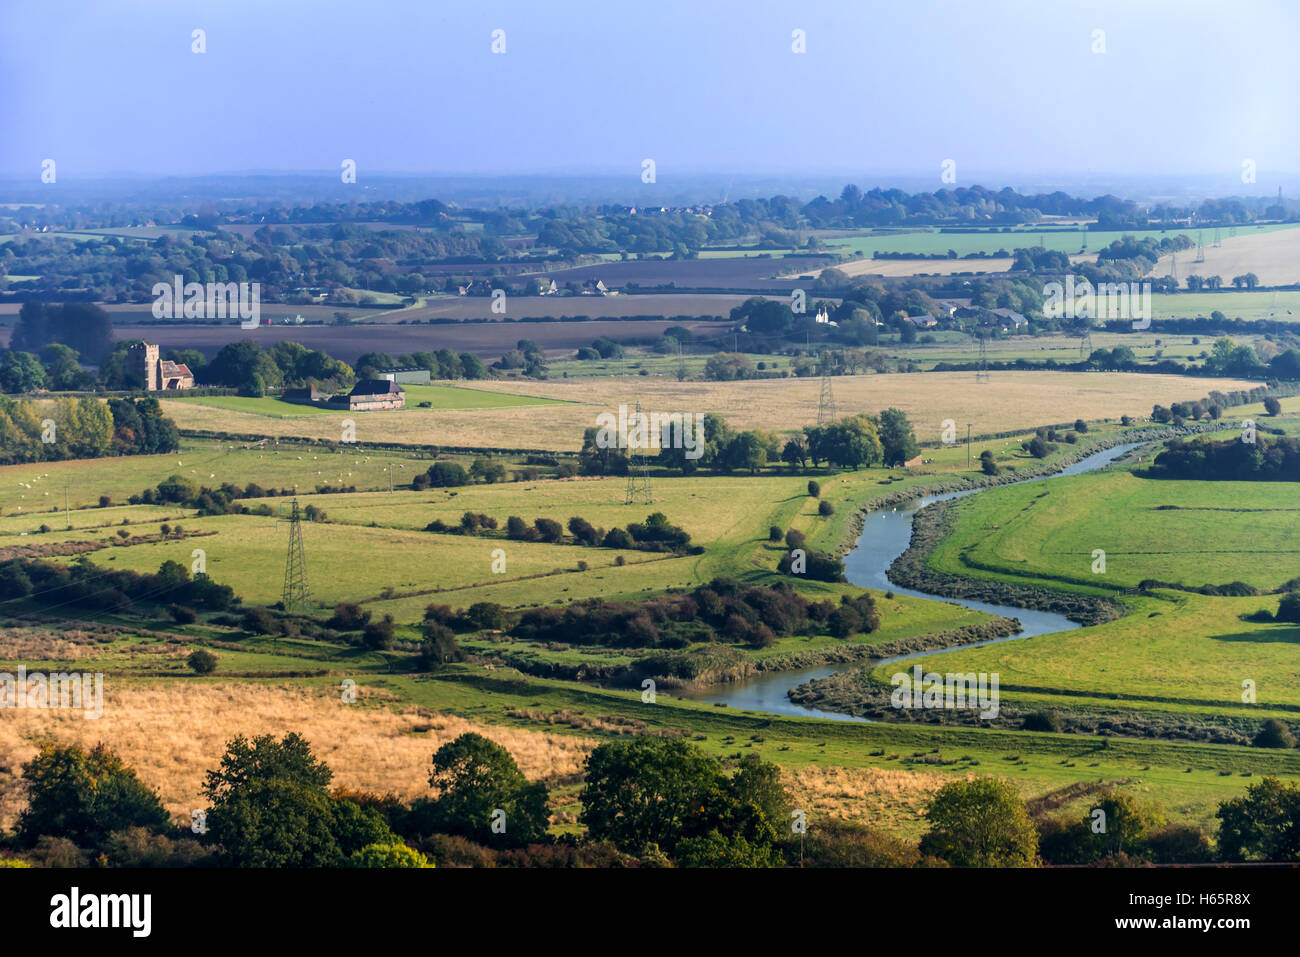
795, 538
814, 489
202, 661
1272, 406
182, 615
825, 508
1274, 734
774, 533
378, 635
1288, 609
1080, 425
260, 622
1042, 721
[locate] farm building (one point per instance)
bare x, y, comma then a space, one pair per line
159, 375
923, 322
371, 394
407, 376
366, 396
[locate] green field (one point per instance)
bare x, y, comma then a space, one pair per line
926, 242
1148, 529
444, 397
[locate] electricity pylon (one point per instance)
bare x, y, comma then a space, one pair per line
296, 591
826, 402
638, 466
982, 371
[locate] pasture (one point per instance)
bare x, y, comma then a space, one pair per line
1046, 533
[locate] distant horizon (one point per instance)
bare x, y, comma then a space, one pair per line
1011, 90
539, 188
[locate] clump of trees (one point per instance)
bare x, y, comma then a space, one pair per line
81, 428
723, 611
1267, 459
83, 584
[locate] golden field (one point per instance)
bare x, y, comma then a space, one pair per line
173, 732
1272, 256
1011, 401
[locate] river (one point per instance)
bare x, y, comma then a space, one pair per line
885, 536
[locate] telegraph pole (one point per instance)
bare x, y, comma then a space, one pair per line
968, 445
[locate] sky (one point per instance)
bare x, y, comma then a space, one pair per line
700, 86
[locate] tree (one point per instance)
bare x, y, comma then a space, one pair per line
897, 440
270, 807
648, 791
980, 823
84, 796
1288, 609
1272, 406
475, 778
1261, 825
439, 646
21, 372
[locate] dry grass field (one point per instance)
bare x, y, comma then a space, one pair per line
172, 732
1272, 256
1012, 400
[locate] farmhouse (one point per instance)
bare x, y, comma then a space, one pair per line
1009, 318
595, 287
159, 375
923, 322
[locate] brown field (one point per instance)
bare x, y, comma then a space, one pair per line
1272, 256
1011, 401
485, 339
171, 733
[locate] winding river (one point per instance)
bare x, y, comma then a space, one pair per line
885, 536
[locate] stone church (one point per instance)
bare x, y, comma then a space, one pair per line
159, 375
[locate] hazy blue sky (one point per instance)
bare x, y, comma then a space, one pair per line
698, 85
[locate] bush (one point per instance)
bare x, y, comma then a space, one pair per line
445, 474
182, 615
348, 616
774, 533
814, 489
1042, 721
1274, 734
1080, 426
1272, 406
795, 538
260, 622
202, 661
825, 508
1288, 609
388, 855
378, 635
